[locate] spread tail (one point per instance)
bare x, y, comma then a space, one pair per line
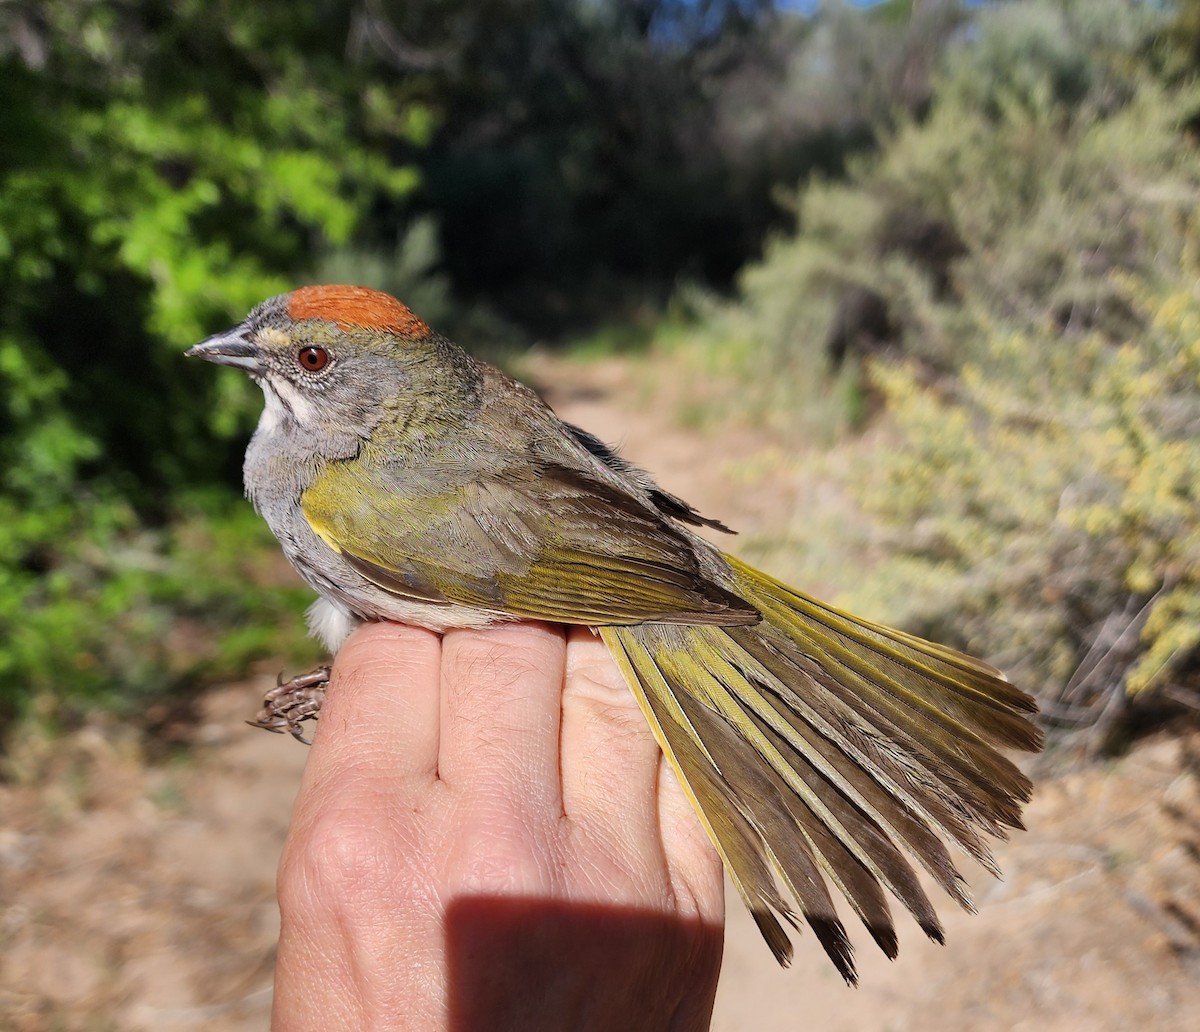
818, 748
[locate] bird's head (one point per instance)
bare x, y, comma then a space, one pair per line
340, 359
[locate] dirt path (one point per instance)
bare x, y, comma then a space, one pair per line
141, 897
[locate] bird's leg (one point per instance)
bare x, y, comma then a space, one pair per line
290, 703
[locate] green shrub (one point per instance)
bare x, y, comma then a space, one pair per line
113, 614
1036, 477
165, 167
1050, 156
1046, 510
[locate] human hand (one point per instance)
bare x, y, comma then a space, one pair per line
487, 837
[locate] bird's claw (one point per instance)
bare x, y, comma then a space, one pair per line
290, 703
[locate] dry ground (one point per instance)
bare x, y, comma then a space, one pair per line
140, 896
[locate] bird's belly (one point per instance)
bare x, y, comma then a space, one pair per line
331, 622
354, 599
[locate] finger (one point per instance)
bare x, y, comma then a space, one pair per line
693, 865
381, 710
501, 704
609, 755
354, 832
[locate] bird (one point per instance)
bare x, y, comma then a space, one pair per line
407, 480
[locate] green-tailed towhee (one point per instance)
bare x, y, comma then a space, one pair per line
408, 481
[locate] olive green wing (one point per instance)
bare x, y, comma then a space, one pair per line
557, 545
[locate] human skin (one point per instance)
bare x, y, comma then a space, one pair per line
487, 837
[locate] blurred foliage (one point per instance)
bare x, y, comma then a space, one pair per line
589, 154
1000, 195
1037, 172
127, 615
415, 271
1012, 279
574, 165
165, 166
1046, 511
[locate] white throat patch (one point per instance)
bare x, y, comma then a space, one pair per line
282, 402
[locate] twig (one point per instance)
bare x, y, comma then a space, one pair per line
1176, 694
1074, 687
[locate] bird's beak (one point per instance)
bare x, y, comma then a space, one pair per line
230, 348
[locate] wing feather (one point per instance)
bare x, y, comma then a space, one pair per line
561, 547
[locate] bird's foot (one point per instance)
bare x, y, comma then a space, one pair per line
290, 703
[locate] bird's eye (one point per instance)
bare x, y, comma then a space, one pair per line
313, 359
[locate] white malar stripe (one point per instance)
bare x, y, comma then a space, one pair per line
273, 413
283, 401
